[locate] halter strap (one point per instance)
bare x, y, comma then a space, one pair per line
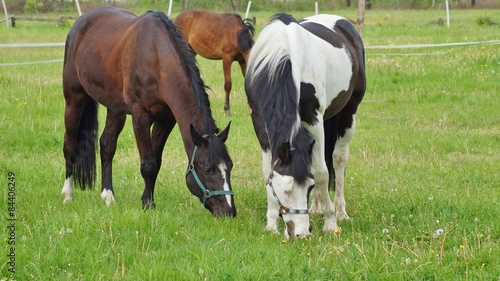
206, 192
282, 209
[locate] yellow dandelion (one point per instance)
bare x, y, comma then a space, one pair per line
283, 241
462, 246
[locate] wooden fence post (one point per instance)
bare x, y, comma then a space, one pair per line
361, 16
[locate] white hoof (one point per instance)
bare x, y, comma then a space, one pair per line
107, 197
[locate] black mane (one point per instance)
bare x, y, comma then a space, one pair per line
276, 99
197, 83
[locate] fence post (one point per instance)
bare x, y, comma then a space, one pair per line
361, 16
6, 14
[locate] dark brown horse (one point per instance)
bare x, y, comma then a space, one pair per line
143, 67
218, 36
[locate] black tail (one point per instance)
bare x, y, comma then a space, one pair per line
245, 36
84, 168
331, 128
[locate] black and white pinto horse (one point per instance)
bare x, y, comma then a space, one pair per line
304, 83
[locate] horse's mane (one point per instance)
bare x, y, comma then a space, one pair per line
271, 78
197, 83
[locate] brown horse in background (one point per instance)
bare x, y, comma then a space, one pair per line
142, 66
218, 36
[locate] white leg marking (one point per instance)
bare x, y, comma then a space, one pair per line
223, 169
321, 197
315, 202
272, 209
67, 191
340, 157
107, 196
272, 213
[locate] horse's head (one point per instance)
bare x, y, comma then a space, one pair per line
289, 185
208, 174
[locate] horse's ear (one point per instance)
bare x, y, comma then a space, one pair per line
284, 152
223, 135
198, 139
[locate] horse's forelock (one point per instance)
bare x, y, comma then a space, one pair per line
217, 151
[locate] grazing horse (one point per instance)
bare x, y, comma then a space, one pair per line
139, 65
304, 83
218, 36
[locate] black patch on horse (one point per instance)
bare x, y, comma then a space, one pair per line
308, 104
324, 33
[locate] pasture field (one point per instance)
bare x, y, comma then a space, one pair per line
422, 182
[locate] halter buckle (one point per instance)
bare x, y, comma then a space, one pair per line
207, 193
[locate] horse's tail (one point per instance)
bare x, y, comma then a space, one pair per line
245, 36
84, 169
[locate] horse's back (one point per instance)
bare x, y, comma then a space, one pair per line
97, 27
210, 34
91, 46
342, 35
114, 56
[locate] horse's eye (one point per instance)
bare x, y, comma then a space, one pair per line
208, 170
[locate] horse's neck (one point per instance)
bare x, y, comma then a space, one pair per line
185, 116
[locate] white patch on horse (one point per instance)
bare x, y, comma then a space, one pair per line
293, 196
107, 196
223, 171
67, 190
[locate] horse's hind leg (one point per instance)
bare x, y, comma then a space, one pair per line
114, 125
75, 106
226, 66
347, 127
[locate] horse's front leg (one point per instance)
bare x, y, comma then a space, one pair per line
320, 194
114, 126
272, 208
142, 122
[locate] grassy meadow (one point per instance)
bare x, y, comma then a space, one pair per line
422, 182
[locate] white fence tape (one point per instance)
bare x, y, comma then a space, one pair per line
491, 42
32, 45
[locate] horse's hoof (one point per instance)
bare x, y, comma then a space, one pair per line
149, 205
343, 217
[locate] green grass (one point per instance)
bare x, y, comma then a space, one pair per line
424, 161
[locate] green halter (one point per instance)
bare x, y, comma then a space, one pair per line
206, 192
